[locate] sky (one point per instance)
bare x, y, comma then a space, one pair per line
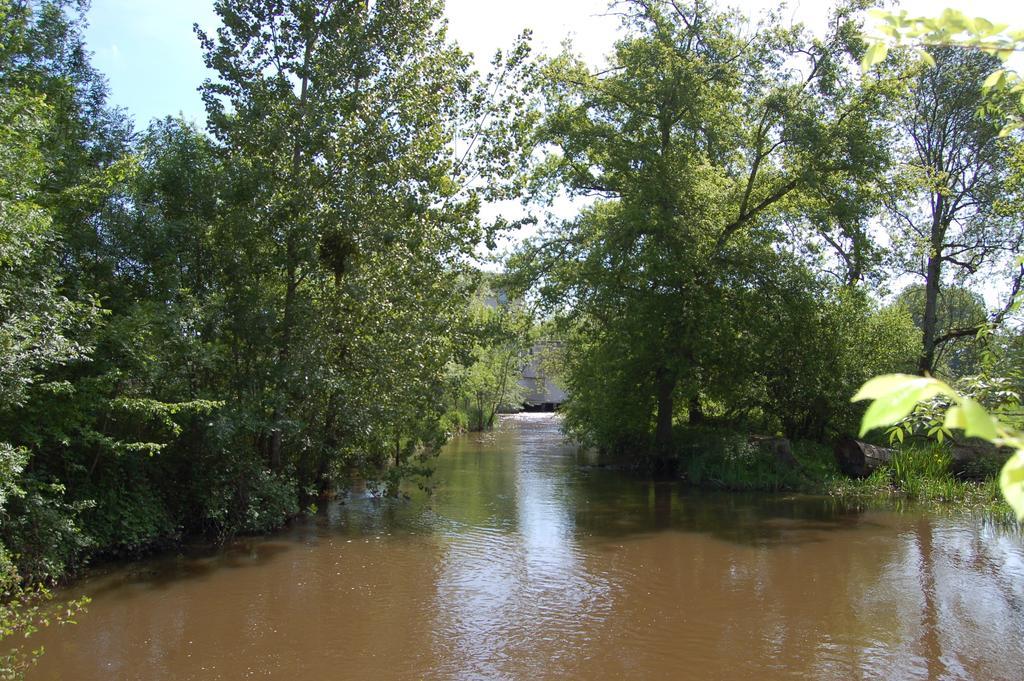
151, 56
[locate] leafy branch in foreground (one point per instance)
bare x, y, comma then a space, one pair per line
951, 29
24, 610
896, 395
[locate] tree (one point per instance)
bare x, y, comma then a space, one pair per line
895, 396
816, 343
359, 145
947, 226
41, 328
38, 324
957, 309
503, 335
697, 143
202, 331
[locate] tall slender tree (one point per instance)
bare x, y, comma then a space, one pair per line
360, 144
947, 223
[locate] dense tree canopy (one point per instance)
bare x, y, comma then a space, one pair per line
204, 330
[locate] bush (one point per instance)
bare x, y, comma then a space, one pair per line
729, 460
248, 499
45, 529
819, 351
128, 516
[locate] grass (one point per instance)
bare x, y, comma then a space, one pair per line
920, 473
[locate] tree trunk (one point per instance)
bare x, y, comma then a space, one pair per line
291, 290
933, 275
696, 411
925, 364
665, 385
977, 460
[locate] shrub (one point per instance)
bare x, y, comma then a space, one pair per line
45, 529
246, 498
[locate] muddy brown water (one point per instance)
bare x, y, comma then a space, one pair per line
525, 565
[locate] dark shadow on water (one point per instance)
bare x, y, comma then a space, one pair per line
194, 563
617, 506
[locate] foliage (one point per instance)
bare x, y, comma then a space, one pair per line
996, 394
24, 610
944, 493
958, 310
802, 359
951, 28
348, 296
204, 330
248, 498
45, 528
41, 327
503, 334
949, 212
895, 396
703, 156
727, 459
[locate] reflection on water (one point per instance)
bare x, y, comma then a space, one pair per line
526, 565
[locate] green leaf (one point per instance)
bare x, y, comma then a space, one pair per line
1011, 480
926, 58
895, 396
994, 79
953, 19
1009, 128
972, 418
955, 419
977, 421
875, 54
883, 385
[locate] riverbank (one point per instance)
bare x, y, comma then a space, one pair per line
712, 458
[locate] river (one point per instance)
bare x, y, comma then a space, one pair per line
525, 564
